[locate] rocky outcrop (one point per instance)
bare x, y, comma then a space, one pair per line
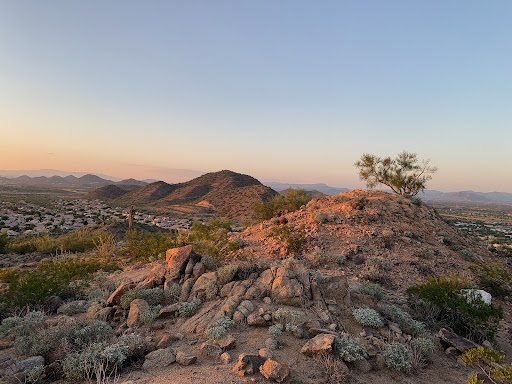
286, 289
177, 260
248, 364
115, 297
319, 344
159, 359
451, 339
137, 307
272, 370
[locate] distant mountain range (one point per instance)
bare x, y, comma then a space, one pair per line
467, 196
87, 180
323, 188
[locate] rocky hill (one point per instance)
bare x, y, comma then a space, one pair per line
226, 193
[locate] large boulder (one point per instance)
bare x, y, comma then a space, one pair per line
115, 297
261, 286
202, 286
137, 307
160, 358
336, 288
272, 370
451, 339
248, 364
177, 260
286, 289
319, 344
155, 278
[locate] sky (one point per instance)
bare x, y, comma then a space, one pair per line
289, 90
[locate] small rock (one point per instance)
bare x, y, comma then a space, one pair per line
319, 344
267, 317
210, 349
164, 342
267, 300
247, 364
380, 362
487, 345
105, 314
332, 327
450, 351
225, 358
255, 320
395, 328
159, 359
137, 307
238, 317
247, 304
183, 358
272, 370
32, 362
115, 297
227, 343
168, 311
52, 303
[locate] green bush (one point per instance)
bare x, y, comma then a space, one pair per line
320, 217
467, 255
211, 238
292, 200
395, 314
317, 258
143, 245
291, 237
18, 326
62, 276
494, 277
423, 253
490, 363
340, 259
152, 296
442, 297
398, 357
349, 349
222, 326
275, 331
372, 289
187, 309
3, 241
367, 317
209, 262
425, 346
172, 293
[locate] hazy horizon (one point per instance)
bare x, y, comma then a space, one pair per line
293, 92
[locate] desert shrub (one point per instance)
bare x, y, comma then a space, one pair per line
136, 345
317, 258
442, 296
105, 246
442, 233
235, 245
292, 200
335, 371
395, 314
467, 255
18, 326
209, 262
372, 289
490, 363
62, 276
456, 247
320, 217
148, 316
35, 374
152, 296
291, 237
423, 253
349, 349
226, 273
143, 245
211, 290
210, 238
494, 277
3, 242
222, 326
187, 309
425, 346
375, 269
284, 317
409, 234
73, 308
275, 330
387, 238
398, 357
98, 360
416, 201
318, 276
367, 317
340, 259
172, 293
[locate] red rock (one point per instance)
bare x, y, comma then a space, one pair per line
177, 260
272, 370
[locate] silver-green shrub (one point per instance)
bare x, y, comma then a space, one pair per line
425, 346
222, 326
340, 259
367, 317
151, 296
398, 357
211, 290
275, 331
187, 309
349, 349
226, 273
172, 293
17, 326
209, 262
403, 319
372, 289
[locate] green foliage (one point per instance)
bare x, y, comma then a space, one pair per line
211, 290
340, 259
349, 349
467, 255
442, 296
423, 253
172, 293
367, 317
211, 238
405, 175
222, 326
494, 277
491, 365
209, 262
320, 217
98, 360
143, 245
287, 317
425, 346
3, 241
372, 289
226, 273
148, 316
317, 258
62, 276
398, 357
187, 309
395, 314
18, 326
73, 308
275, 331
152, 296
291, 237
292, 200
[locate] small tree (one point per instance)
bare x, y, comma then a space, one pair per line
405, 174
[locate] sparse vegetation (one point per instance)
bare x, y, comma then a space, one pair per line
490, 363
405, 175
292, 200
187, 309
152, 296
367, 317
398, 357
291, 237
494, 277
226, 273
440, 300
222, 327
144, 245
372, 289
395, 314
349, 349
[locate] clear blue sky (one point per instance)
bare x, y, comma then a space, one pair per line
292, 91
